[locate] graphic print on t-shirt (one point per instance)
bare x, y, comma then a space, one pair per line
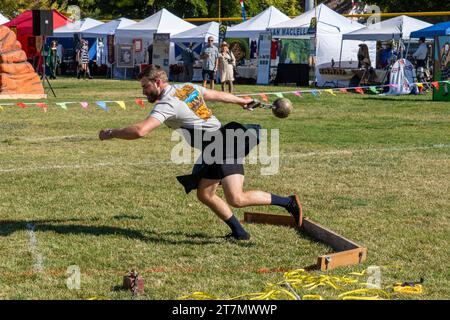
194, 100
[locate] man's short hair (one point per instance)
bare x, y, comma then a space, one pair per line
422, 39
153, 73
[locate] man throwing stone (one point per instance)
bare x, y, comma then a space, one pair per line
183, 106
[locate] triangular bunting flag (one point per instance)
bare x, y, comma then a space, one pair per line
43, 106
315, 93
359, 90
122, 105
374, 90
435, 84
343, 90
298, 94
330, 91
279, 95
62, 105
102, 104
140, 102
1, 108
21, 105
447, 82
393, 85
420, 85
264, 97
84, 105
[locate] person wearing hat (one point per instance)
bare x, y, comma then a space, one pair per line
227, 62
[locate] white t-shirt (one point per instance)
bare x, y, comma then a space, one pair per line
183, 106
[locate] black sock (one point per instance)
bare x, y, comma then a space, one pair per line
236, 227
280, 201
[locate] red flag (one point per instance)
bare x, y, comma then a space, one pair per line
264, 97
140, 102
343, 90
43, 106
359, 90
21, 105
436, 85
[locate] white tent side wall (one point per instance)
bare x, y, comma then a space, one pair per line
328, 46
3, 19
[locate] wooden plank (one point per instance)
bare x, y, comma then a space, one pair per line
309, 227
341, 259
331, 238
267, 218
22, 96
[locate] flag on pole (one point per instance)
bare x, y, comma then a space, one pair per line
243, 10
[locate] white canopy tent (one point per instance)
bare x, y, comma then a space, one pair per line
77, 27
198, 34
3, 19
161, 22
330, 26
259, 23
102, 31
393, 29
108, 28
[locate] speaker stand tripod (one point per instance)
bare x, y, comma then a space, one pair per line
44, 75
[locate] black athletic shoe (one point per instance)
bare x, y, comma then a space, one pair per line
295, 208
233, 236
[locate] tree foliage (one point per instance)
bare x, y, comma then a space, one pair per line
139, 9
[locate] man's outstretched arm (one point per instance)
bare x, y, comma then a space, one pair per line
219, 96
133, 132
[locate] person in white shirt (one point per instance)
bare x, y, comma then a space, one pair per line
421, 53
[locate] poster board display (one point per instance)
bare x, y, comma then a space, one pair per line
442, 68
264, 55
161, 49
295, 50
125, 56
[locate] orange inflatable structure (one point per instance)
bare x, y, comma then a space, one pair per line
17, 77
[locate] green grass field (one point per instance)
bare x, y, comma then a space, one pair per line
375, 169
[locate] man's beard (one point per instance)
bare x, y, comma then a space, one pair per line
153, 96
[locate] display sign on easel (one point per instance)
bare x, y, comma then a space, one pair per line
264, 50
161, 49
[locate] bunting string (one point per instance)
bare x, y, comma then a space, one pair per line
264, 96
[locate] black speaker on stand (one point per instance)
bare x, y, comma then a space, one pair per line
43, 26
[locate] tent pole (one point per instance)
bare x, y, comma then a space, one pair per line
340, 55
